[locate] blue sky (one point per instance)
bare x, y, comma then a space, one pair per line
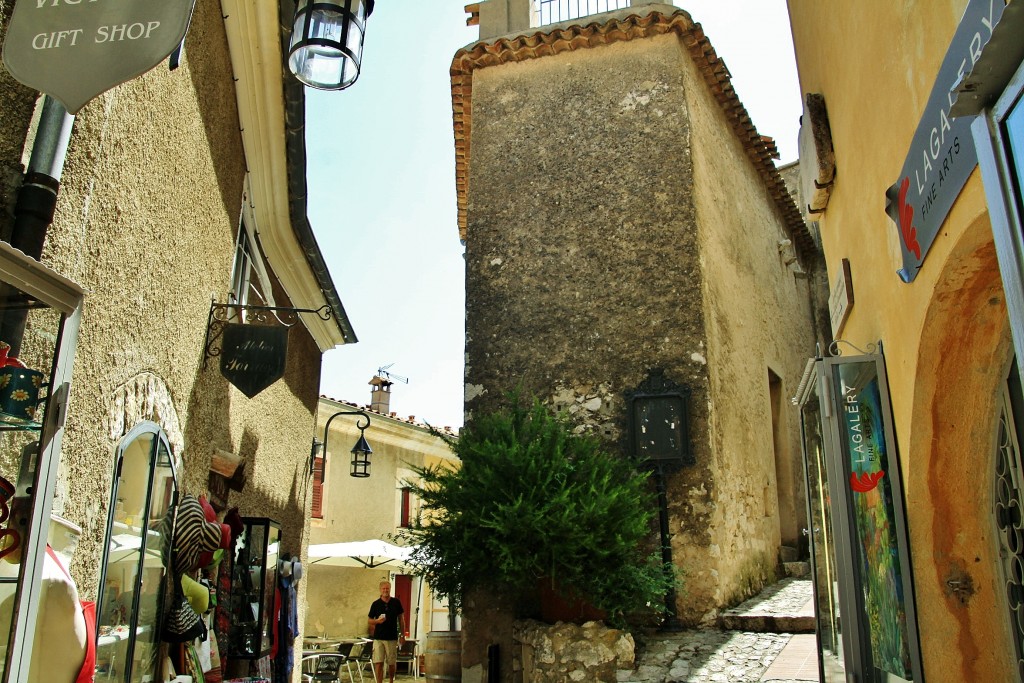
381, 177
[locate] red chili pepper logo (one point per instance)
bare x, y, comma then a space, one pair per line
866, 482
907, 228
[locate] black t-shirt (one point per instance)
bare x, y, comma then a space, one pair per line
389, 629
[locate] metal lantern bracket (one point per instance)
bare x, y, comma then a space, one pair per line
659, 437
223, 314
360, 452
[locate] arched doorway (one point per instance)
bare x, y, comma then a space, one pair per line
948, 454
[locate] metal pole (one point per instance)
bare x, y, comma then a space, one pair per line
671, 622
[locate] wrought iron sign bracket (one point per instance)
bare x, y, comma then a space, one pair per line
223, 314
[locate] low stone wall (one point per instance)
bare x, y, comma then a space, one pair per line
568, 652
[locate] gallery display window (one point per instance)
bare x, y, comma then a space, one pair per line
860, 558
998, 132
39, 319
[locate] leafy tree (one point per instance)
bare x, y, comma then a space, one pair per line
534, 500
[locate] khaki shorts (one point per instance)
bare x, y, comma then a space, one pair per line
386, 652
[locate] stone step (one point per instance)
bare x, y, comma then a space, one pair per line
797, 569
767, 623
783, 607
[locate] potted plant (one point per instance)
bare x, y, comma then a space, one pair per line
537, 506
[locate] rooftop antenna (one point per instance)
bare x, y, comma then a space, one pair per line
391, 377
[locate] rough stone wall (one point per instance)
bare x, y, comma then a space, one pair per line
567, 652
759, 321
146, 222
580, 225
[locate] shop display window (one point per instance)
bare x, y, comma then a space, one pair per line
131, 597
1013, 128
39, 316
253, 578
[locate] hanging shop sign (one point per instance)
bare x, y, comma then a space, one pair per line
253, 356
942, 153
74, 50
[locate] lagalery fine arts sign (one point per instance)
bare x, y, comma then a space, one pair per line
942, 154
73, 50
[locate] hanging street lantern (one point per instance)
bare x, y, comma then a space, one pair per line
361, 451
326, 48
361, 457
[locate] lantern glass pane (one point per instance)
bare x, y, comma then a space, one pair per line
659, 423
327, 43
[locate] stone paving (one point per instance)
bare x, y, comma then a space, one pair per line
700, 656
721, 656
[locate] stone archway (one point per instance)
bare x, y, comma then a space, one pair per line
145, 396
964, 353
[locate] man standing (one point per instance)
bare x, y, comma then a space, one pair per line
387, 628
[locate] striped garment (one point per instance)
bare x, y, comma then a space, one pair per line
193, 535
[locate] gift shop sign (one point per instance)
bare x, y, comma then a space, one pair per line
74, 50
942, 154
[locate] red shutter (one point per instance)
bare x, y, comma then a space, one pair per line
318, 488
406, 507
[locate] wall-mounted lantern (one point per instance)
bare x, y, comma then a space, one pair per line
361, 451
659, 412
326, 47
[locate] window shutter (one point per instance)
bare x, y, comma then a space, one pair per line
406, 507
318, 488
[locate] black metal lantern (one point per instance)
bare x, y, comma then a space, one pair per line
326, 48
658, 420
361, 457
361, 451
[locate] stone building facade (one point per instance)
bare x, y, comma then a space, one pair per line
175, 183
621, 213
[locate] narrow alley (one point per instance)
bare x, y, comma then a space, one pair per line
767, 638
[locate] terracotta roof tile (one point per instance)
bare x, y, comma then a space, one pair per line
393, 416
760, 149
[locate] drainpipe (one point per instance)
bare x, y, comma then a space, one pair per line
37, 199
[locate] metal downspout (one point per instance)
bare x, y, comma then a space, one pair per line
37, 199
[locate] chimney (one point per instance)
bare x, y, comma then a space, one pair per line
380, 395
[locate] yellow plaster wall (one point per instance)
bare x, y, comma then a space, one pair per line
945, 335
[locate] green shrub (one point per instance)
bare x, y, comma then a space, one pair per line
533, 500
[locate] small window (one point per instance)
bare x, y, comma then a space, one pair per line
250, 280
241, 270
139, 528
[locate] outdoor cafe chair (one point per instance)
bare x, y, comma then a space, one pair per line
327, 665
365, 660
407, 656
328, 668
356, 652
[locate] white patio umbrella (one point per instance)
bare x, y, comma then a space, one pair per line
369, 554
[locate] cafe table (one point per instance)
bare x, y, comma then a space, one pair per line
318, 643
